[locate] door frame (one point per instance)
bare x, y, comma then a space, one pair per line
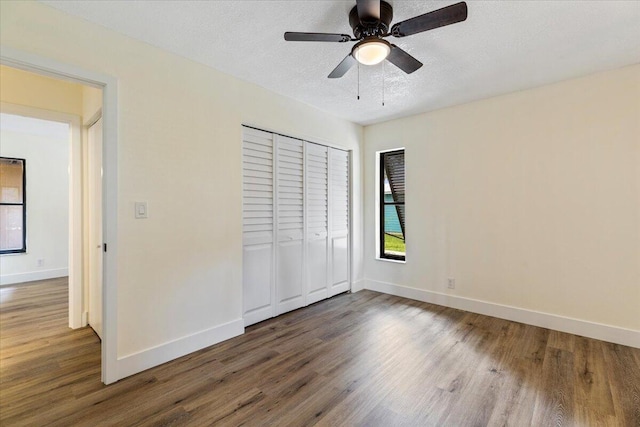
46, 66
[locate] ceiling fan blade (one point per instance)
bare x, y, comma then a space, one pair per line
438, 18
403, 60
343, 67
316, 37
368, 10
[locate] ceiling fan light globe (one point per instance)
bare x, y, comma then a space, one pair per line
371, 52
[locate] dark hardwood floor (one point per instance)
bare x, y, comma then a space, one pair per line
364, 359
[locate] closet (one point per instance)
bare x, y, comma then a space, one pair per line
295, 223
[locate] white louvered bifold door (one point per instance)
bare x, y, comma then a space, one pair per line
290, 224
339, 221
316, 210
295, 224
258, 228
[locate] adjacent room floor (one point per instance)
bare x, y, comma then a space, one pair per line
357, 359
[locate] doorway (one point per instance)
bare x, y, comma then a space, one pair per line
108, 86
58, 209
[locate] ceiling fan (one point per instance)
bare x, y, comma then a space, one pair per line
370, 20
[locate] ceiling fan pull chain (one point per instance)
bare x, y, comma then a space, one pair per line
358, 81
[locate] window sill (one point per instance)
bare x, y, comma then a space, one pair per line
395, 261
13, 254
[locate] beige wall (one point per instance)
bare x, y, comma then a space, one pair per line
33, 90
179, 149
529, 200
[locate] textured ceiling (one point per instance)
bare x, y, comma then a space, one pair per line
504, 46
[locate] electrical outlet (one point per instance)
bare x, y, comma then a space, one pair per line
40, 262
451, 283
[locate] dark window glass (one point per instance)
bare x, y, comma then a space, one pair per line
392, 212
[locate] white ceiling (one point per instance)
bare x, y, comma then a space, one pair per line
503, 46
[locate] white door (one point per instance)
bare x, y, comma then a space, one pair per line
339, 221
317, 220
95, 226
295, 224
290, 224
257, 226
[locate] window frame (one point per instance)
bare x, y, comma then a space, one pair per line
24, 208
382, 204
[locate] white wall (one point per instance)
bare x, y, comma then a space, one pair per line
529, 200
45, 146
179, 149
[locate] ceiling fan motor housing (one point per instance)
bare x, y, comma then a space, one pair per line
372, 27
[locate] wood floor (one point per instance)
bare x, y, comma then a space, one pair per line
364, 359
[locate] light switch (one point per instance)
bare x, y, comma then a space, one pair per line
141, 210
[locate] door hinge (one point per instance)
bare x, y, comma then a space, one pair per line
105, 247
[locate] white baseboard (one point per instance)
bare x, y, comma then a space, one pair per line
12, 279
143, 360
570, 325
357, 286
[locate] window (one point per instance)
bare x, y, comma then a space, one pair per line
13, 209
392, 213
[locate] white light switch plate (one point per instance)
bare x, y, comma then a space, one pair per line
141, 210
